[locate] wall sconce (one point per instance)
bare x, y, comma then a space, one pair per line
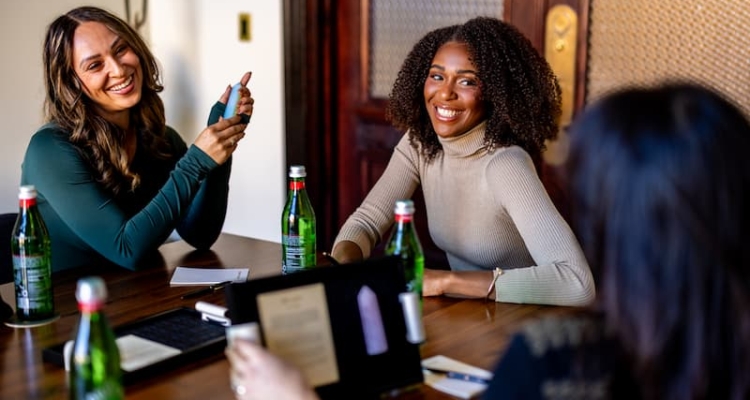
138, 19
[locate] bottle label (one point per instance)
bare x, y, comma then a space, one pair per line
404, 243
413, 272
298, 254
33, 284
296, 185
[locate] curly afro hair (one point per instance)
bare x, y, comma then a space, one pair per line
520, 91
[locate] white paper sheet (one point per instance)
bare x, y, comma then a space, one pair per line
454, 387
187, 276
137, 352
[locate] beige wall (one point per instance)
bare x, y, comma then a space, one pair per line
22, 94
197, 44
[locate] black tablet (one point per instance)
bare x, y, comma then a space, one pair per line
344, 325
158, 343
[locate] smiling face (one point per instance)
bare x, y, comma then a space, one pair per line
451, 91
109, 70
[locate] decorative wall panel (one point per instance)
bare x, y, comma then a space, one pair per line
640, 42
396, 25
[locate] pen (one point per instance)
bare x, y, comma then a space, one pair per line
207, 290
461, 376
330, 258
466, 377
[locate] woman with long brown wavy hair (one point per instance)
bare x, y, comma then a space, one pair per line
113, 180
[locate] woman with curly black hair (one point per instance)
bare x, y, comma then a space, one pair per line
113, 180
477, 103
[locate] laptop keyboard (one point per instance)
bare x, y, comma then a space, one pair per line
180, 330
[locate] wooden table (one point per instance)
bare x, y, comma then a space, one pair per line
468, 330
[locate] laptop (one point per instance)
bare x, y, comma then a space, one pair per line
343, 325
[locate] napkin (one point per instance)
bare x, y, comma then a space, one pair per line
454, 387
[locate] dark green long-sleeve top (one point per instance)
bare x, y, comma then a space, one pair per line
88, 225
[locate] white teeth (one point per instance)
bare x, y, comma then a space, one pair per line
445, 113
123, 85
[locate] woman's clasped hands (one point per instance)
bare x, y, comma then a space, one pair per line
220, 140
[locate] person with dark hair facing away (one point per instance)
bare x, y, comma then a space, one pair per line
113, 179
658, 181
477, 103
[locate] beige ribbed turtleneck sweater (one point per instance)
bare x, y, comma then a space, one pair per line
485, 210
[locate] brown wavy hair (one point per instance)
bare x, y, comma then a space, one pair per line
66, 105
520, 91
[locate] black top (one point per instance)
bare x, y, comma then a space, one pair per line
562, 358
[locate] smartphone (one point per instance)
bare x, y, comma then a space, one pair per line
234, 102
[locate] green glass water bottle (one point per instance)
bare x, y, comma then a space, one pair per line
405, 242
298, 238
95, 362
32, 265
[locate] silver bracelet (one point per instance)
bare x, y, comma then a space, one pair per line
495, 273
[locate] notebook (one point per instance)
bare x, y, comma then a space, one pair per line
158, 343
342, 325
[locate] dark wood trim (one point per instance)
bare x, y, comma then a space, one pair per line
349, 81
584, 7
327, 131
308, 71
364, 50
373, 110
525, 15
295, 87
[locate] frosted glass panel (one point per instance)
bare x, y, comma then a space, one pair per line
396, 25
642, 42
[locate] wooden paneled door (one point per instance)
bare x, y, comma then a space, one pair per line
334, 125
